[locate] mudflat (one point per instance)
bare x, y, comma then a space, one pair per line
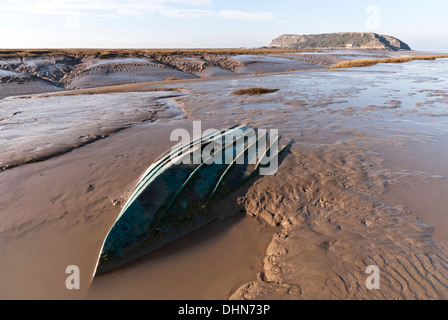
361, 185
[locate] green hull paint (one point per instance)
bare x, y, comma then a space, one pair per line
171, 200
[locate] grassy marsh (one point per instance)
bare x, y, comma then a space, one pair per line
371, 62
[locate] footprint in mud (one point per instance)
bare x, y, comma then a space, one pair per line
56, 198
118, 202
90, 188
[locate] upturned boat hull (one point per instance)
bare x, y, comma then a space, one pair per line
173, 197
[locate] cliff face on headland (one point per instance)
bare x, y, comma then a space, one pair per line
345, 40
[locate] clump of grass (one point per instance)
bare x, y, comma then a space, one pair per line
254, 91
172, 79
370, 62
290, 70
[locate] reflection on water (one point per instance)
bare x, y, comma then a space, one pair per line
383, 103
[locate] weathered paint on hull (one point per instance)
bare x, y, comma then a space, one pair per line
171, 200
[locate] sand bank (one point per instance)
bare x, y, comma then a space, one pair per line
54, 71
35, 128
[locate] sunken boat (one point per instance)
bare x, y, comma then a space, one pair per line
174, 196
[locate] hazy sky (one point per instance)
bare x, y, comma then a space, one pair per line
212, 23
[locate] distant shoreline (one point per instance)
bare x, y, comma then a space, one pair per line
107, 52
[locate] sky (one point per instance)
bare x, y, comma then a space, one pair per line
212, 23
